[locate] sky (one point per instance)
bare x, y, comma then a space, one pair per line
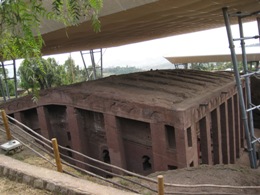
148, 54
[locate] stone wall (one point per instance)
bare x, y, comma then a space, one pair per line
143, 122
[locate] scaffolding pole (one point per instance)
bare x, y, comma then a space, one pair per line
5, 80
92, 72
15, 80
258, 25
247, 82
251, 152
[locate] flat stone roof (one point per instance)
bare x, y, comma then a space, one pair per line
172, 90
161, 88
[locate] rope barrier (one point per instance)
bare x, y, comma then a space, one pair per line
109, 166
105, 171
101, 178
29, 129
34, 144
39, 154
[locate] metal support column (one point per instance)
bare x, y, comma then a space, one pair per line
247, 82
258, 24
15, 80
92, 69
251, 152
92, 57
2, 90
4, 81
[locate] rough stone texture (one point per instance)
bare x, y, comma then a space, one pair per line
53, 181
50, 187
12, 174
19, 177
63, 190
5, 171
136, 120
38, 183
27, 179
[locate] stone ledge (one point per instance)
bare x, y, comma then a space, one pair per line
50, 180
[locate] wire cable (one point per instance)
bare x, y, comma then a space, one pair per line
107, 172
111, 166
123, 170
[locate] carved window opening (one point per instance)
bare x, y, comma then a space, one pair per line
69, 136
189, 136
106, 157
172, 167
146, 163
171, 138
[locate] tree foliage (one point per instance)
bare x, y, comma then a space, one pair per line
9, 83
215, 66
20, 35
121, 70
20, 22
49, 73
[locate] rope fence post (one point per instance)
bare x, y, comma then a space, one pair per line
56, 154
160, 185
7, 128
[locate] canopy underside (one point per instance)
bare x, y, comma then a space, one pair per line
128, 21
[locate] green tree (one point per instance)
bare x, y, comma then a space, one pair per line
121, 70
20, 23
48, 74
216, 66
10, 84
44, 75
74, 73
202, 66
70, 70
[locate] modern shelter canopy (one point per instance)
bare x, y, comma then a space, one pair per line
210, 58
128, 21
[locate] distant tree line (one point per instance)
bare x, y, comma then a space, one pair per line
48, 73
120, 70
215, 66
34, 76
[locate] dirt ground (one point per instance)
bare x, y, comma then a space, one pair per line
234, 175
8, 187
237, 175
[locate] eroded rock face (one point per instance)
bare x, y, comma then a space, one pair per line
143, 122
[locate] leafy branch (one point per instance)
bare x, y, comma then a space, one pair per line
20, 25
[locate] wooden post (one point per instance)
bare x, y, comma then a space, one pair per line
56, 154
7, 128
160, 185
